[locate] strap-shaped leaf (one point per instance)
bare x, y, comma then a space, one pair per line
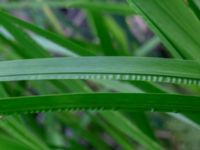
58, 39
119, 101
15, 128
195, 5
24, 39
129, 129
11, 144
174, 22
117, 68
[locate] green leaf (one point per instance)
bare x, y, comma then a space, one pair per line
101, 29
74, 122
113, 8
129, 129
30, 48
10, 144
118, 136
113, 68
18, 131
195, 5
148, 46
118, 36
121, 101
58, 39
174, 22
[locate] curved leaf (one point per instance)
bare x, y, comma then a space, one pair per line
113, 68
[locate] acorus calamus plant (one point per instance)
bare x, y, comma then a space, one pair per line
92, 84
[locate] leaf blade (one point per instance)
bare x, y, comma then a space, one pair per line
129, 68
171, 20
128, 102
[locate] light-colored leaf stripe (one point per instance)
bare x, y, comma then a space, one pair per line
103, 101
110, 68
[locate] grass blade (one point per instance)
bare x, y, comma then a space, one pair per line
58, 39
171, 20
120, 101
120, 68
129, 129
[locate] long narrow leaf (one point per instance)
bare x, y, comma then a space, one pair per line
174, 22
58, 39
120, 101
120, 68
129, 129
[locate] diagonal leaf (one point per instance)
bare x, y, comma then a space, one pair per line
10, 144
129, 129
174, 22
30, 47
58, 39
195, 5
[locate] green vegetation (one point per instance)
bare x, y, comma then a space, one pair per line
99, 74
